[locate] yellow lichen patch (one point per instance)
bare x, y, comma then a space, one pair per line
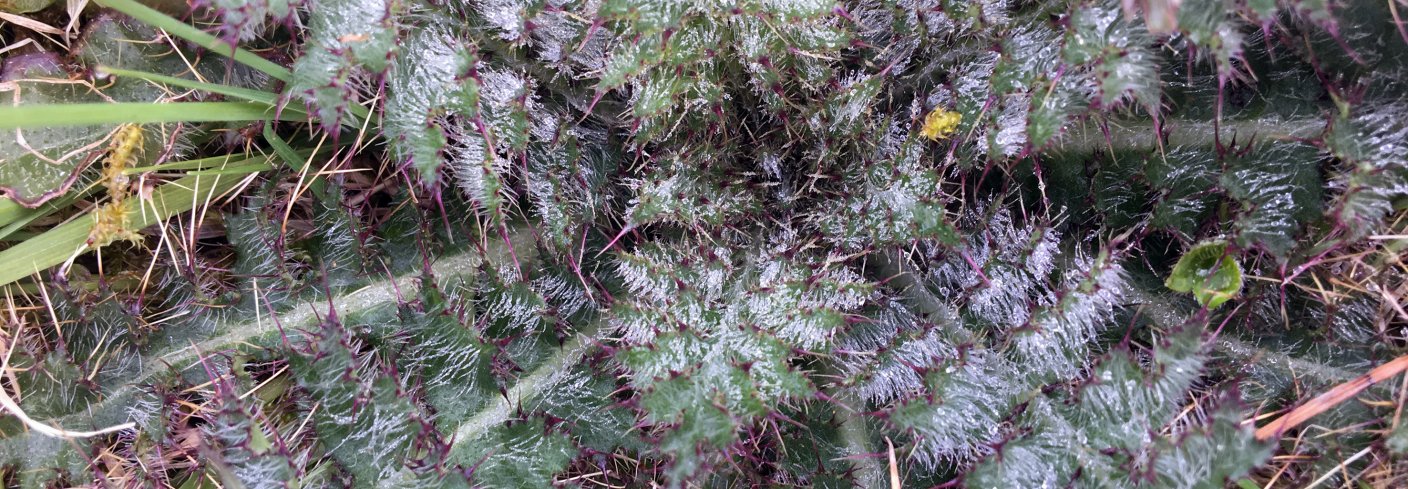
122, 154
111, 223
940, 124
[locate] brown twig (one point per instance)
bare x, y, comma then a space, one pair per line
894, 467
1332, 398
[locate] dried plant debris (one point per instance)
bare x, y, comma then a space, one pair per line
634, 243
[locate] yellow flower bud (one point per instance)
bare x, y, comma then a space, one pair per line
940, 124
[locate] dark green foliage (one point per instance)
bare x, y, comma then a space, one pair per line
245, 442
703, 245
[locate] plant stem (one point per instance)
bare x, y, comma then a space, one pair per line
869, 472
498, 411
893, 270
1183, 133
262, 330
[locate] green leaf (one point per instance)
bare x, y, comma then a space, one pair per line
49, 116
244, 20
23, 6
1209, 271
1130, 425
522, 454
346, 41
267, 98
1397, 441
41, 163
428, 87
1279, 189
363, 417
708, 366
17, 221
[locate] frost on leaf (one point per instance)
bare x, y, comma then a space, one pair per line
1124, 425
708, 365
350, 42
1374, 145
244, 20
368, 421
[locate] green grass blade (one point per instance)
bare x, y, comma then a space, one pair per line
9, 231
207, 163
30, 116
234, 170
182, 30
360, 113
197, 164
11, 210
268, 98
298, 162
18, 236
282, 148
56, 245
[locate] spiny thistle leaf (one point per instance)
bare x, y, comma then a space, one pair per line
1119, 415
631, 243
348, 43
